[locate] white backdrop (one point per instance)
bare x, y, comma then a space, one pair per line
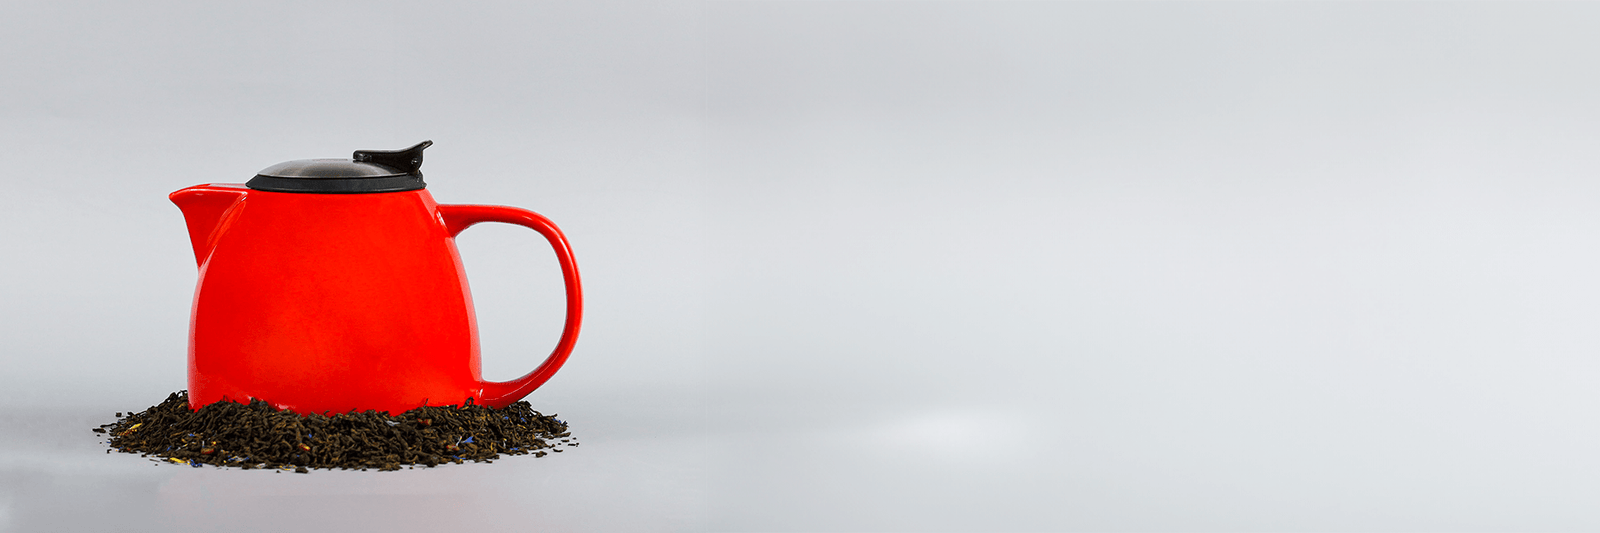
933, 266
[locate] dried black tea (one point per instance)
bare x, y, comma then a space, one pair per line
256, 435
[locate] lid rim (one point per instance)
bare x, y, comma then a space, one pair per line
401, 183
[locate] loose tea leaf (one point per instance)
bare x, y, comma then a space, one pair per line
256, 435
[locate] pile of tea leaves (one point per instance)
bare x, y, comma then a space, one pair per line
256, 435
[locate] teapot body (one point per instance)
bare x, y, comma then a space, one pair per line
331, 302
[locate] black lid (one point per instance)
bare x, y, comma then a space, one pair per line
366, 171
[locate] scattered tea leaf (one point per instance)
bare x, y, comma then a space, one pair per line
255, 435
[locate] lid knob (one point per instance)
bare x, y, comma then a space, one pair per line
408, 160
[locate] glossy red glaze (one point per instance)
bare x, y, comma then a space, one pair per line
333, 302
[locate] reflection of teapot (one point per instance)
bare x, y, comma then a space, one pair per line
334, 284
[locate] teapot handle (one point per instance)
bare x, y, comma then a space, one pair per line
499, 394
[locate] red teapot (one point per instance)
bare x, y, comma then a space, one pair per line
331, 285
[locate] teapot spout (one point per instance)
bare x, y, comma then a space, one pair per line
205, 207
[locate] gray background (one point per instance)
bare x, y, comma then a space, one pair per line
864, 265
